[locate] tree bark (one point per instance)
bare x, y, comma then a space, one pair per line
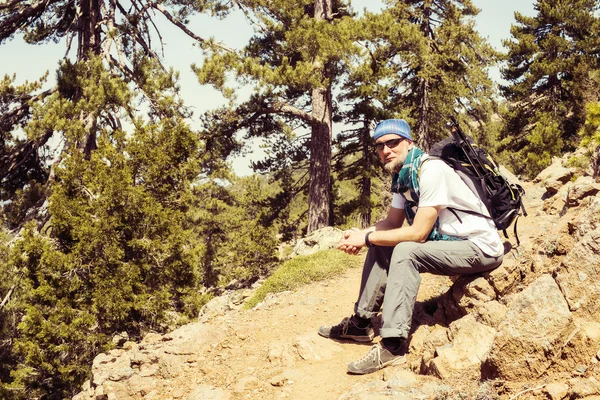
320, 140
320, 161
365, 189
422, 131
89, 29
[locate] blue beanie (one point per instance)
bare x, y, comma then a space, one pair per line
392, 126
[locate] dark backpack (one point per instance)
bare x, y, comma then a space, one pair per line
504, 200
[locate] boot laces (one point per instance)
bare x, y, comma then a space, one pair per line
373, 355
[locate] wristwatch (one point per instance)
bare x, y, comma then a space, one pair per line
367, 241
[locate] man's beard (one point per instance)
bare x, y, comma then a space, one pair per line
394, 165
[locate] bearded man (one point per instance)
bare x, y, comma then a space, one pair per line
438, 238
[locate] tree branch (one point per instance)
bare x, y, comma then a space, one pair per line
10, 292
184, 28
18, 19
279, 107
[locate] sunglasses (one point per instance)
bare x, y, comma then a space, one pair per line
390, 144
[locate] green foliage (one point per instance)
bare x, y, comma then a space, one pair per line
590, 132
579, 162
302, 270
22, 163
139, 227
422, 60
292, 63
550, 71
425, 60
234, 244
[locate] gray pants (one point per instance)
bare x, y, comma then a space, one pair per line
393, 273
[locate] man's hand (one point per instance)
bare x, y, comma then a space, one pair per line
352, 241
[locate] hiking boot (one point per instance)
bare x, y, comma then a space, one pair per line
377, 358
347, 330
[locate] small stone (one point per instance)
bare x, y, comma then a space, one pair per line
557, 391
278, 381
580, 369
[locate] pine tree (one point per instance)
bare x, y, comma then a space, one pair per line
440, 65
423, 59
123, 38
292, 64
116, 246
550, 58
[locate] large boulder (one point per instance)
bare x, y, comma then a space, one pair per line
583, 187
579, 277
554, 176
321, 239
537, 325
471, 341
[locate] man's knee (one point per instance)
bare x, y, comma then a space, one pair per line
405, 251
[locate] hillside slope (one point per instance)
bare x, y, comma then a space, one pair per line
274, 352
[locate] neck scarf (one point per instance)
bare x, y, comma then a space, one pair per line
407, 181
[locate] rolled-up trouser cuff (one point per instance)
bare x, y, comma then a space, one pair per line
393, 332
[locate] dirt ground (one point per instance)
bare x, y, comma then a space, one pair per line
274, 351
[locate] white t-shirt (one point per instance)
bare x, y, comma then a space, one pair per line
440, 186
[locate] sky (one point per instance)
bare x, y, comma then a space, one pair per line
29, 62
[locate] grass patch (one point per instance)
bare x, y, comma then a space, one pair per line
301, 270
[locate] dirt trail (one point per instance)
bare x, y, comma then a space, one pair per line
274, 351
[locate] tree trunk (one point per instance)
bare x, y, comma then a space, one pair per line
365, 188
89, 29
422, 131
320, 140
320, 161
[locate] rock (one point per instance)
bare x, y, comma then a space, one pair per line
584, 186
306, 348
557, 391
476, 292
139, 386
206, 392
169, 366
399, 378
491, 313
467, 294
120, 338
537, 324
216, 306
246, 383
588, 221
121, 374
505, 277
470, 343
152, 337
114, 366
580, 347
584, 387
321, 239
280, 355
554, 176
579, 278
423, 342
288, 377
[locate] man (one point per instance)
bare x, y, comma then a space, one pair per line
439, 239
